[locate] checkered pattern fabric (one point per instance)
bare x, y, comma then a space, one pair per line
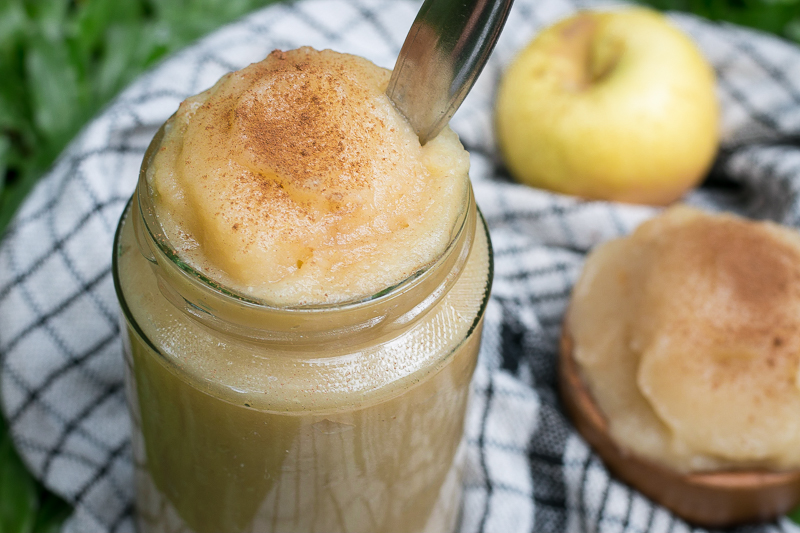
60, 350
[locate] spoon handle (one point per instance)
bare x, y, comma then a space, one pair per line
445, 50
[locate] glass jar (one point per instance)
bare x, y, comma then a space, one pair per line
250, 417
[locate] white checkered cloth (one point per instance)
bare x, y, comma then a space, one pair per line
528, 471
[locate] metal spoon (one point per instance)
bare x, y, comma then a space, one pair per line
445, 50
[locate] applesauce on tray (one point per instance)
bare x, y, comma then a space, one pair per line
303, 286
679, 363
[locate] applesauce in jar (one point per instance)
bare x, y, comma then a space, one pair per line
303, 288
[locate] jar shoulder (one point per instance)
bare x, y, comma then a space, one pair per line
284, 377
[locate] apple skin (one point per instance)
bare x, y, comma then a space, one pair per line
616, 105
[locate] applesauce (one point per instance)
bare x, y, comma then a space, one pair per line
685, 333
308, 404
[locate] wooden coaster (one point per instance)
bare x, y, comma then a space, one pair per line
712, 499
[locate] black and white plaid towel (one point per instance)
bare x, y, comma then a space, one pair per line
528, 471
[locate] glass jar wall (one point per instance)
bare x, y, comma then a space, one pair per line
250, 417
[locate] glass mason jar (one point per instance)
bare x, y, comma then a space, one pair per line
250, 417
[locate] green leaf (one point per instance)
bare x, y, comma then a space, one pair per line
49, 16
94, 17
90, 23
53, 84
15, 191
792, 29
18, 498
13, 36
5, 148
795, 515
13, 22
12, 114
51, 513
121, 43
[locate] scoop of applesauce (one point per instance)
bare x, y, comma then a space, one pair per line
295, 181
687, 334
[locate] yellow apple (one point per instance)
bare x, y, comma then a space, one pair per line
616, 105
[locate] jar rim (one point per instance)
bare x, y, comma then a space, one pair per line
226, 310
155, 233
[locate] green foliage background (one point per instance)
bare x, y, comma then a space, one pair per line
62, 60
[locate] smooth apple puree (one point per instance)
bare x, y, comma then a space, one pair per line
686, 333
295, 181
304, 308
